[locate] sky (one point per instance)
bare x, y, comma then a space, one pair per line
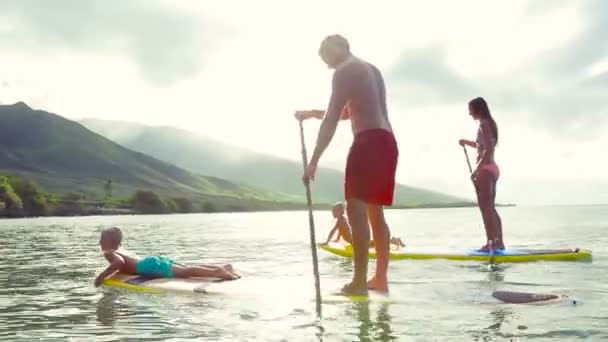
237, 70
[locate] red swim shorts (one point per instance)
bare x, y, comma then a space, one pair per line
371, 167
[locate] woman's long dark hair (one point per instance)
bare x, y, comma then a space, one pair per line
480, 109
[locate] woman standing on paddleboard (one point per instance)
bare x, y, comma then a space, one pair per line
486, 173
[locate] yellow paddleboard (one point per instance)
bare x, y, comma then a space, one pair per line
156, 285
508, 255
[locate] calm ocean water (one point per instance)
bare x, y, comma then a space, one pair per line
47, 268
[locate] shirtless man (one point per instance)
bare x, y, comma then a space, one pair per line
359, 94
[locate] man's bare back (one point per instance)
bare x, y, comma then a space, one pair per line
362, 86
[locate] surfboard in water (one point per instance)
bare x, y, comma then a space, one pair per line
508, 255
511, 297
156, 285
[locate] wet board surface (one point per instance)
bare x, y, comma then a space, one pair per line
508, 255
372, 297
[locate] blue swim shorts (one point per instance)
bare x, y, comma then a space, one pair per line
155, 266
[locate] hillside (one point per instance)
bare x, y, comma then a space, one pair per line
203, 155
63, 156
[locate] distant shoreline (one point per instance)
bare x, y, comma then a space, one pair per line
21, 198
446, 206
286, 207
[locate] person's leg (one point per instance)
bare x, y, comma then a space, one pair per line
369, 178
357, 216
227, 267
382, 237
479, 204
486, 204
348, 240
201, 272
499, 243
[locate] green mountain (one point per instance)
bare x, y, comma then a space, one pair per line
210, 157
63, 156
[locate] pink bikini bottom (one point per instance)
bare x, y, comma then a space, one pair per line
492, 168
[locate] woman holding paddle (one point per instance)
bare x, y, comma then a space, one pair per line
486, 173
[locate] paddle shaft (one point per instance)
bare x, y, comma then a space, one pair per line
313, 244
466, 154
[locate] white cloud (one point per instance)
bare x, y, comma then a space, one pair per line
597, 69
501, 37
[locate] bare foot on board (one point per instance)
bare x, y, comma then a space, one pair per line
351, 290
376, 285
499, 245
486, 248
227, 275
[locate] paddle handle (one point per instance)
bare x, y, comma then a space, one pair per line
311, 221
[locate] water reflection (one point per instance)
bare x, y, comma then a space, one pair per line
378, 329
107, 308
364, 326
498, 317
134, 314
496, 276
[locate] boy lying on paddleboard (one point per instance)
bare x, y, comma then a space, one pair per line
152, 266
343, 228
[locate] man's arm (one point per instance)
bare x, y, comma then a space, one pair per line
320, 114
337, 100
116, 264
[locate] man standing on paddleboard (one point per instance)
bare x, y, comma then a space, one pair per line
359, 94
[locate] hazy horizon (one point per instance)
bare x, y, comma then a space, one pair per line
221, 68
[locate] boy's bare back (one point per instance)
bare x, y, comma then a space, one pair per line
126, 264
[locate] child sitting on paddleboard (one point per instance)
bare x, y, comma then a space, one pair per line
344, 231
342, 226
152, 266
